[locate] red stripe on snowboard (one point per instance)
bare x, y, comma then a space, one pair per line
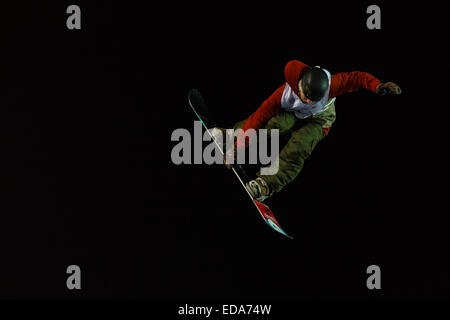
266, 212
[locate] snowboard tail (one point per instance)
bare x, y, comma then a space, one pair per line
199, 107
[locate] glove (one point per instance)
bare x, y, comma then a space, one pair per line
388, 87
231, 153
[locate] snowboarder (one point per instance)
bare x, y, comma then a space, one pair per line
302, 108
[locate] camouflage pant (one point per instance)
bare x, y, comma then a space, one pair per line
303, 136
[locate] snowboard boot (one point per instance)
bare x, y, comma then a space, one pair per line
259, 189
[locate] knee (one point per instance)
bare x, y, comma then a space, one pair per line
302, 147
239, 124
305, 141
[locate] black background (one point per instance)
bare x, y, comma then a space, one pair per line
87, 178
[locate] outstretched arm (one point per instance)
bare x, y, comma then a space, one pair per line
353, 81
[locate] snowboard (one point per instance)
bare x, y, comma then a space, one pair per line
207, 119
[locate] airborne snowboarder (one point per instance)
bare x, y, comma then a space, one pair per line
302, 108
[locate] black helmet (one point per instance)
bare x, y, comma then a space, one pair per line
315, 83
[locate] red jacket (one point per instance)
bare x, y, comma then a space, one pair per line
340, 83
